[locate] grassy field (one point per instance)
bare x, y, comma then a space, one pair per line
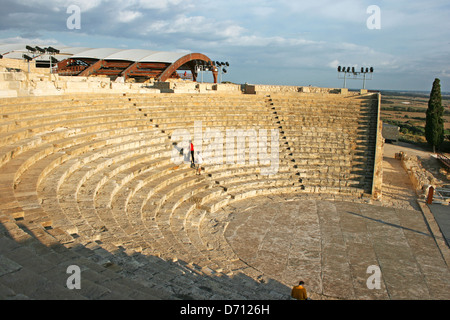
408, 111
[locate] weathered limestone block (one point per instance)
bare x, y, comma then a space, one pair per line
377, 182
226, 87
420, 177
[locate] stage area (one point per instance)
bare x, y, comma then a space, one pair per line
331, 245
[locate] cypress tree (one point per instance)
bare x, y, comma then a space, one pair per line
434, 127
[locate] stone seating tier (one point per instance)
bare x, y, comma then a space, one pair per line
91, 180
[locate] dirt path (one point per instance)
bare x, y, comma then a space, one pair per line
428, 160
398, 190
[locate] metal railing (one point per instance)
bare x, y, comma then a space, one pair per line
445, 161
442, 193
438, 194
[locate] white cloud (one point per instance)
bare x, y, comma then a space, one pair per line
284, 34
244, 40
194, 26
158, 4
128, 16
56, 5
263, 11
37, 41
345, 10
333, 64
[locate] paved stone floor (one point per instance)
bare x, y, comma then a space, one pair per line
330, 245
442, 215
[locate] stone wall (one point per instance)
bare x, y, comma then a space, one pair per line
20, 84
227, 87
378, 167
391, 132
260, 88
16, 81
6, 64
420, 178
181, 86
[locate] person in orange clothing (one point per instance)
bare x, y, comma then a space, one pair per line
299, 292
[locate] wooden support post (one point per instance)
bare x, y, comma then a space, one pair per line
430, 195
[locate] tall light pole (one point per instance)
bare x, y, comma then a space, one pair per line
222, 70
51, 52
28, 59
200, 68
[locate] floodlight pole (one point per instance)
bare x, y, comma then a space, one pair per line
200, 70
356, 75
221, 73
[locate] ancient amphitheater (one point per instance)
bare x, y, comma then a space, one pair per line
92, 178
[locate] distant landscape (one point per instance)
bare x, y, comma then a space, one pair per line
407, 109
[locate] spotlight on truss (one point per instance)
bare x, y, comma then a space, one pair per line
27, 57
31, 49
40, 49
52, 50
350, 72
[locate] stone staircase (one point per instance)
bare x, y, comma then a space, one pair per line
90, 181
330, 141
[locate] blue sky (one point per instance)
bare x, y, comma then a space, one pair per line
285, 42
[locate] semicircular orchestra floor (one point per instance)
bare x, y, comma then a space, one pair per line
341, 250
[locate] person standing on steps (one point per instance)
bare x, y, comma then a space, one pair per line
192, 154
299, 292
199, 163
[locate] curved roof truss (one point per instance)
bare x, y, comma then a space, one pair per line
189, 61
134, 63
113, 62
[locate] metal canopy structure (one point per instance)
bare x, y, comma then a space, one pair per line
139, 64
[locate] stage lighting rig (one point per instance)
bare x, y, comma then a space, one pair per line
52, 50
42, 51
222, 70
351, 73
30, 49
202, 66
27, 57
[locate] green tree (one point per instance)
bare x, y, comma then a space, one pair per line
434, 127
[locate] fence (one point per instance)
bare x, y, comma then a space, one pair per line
445, 161
438, 194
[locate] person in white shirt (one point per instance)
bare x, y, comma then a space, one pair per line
199, 161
